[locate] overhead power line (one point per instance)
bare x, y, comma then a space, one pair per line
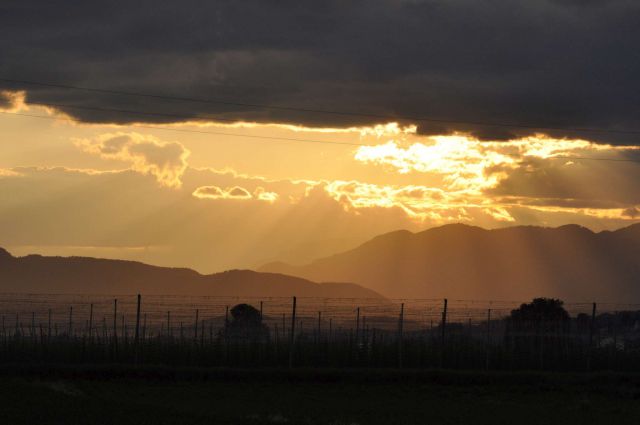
184, 130
273, 138
132, 112
530, 126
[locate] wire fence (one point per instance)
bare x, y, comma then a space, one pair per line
322, 332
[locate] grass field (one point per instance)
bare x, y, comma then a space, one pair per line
124, 396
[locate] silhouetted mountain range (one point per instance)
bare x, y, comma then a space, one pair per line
465, 262
35, 273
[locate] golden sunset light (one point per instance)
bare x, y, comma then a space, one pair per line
319, 212
387, 171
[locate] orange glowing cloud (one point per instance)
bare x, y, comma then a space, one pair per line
166, 161
8, 173
13, 101
234, 193
263, 195
471, 165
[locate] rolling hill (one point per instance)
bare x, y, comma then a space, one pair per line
38, 274
465, 262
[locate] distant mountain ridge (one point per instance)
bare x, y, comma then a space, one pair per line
35, 273
465, 262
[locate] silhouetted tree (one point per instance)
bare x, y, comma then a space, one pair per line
540, 310
245, 324
534, 324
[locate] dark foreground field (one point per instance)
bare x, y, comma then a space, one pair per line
115, 395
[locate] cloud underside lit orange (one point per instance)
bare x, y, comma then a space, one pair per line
430, 179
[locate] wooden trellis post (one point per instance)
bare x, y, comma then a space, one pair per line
400, 335
90, 321
137, 334
70, 320
488, 343
591, 333
443, 335
357, 326
292, 333
115, 324
195, 327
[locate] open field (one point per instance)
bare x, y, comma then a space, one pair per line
122, 395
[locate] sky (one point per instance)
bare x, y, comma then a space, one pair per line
293, 130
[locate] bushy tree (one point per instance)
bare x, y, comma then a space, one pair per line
540, 314
245, 324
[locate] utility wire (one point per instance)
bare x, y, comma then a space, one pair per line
184, 130
129, 111
273, 138
322, 111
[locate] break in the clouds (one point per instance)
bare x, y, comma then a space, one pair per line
499, 178
554, 63
166, 161
474, 166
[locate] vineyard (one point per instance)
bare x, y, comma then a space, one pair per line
314, 332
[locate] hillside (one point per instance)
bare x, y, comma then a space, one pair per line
35, 273
464, 262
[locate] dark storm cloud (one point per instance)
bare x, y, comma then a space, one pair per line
560, 63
